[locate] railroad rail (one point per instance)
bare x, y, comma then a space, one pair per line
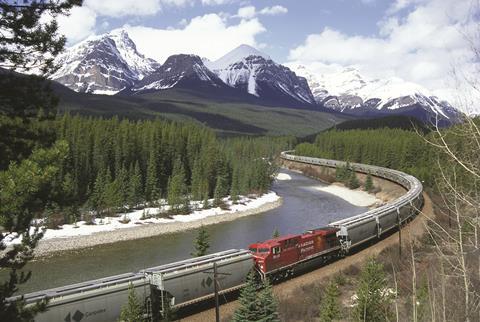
185, 282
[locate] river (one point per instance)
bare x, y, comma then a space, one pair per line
303, 208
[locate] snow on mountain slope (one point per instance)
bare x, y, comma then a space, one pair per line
103, 64
179, 70
255, 73
348, 91
234, 56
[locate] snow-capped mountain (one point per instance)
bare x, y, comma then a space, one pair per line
253, 72
349, 92
103, 64
184, 71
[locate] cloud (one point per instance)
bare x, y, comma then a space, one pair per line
420, 45
273, 11
207, 36
249, 12
215, 2
78, 25
116, 8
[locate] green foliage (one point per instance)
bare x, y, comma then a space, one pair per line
149, 160
373, 300
202, 243
177, 188
132, 311
261, 306
276, 233
248, 310
392, 148
267, 305
330, 307
368, 183
353, 182
135, 189
26, 189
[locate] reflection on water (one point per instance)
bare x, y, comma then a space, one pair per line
303, 208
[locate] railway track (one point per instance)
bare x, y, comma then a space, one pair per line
184, 283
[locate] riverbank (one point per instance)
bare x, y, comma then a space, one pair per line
356, 197
73, 239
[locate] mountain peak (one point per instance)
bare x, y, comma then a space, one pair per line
236, 55
103, 64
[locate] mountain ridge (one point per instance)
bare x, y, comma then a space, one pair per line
110, 64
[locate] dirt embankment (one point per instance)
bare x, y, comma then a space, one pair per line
413, 231
386, 190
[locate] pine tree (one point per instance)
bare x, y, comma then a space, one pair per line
373, 302
329, 307
151, 184
353, 182
97, 198
197, 179
135, 186
221, 189
276, 233
267, 305
133, 310
248, 310
235, 187
202, 243
369, 183
177, 189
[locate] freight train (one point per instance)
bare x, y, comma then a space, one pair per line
190, 281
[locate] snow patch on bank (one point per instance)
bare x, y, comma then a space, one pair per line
134, 217
283, 176
355, 197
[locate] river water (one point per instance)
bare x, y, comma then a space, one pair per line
303, 208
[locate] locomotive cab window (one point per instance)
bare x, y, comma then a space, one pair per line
276, 250
253, 250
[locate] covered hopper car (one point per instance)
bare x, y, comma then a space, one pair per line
189, 281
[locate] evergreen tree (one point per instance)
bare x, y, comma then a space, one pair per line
135, 186
353, 182
369, 183
329, 307
235, 187
267, 305
97, 198
25, 189
276, 233
221, 189
197, 179
151, 184
133, 310
248, 310
202, 243
373, 302
177, 188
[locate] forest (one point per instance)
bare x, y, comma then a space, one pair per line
399, 149
114, 165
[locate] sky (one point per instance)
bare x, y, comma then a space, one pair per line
421, 41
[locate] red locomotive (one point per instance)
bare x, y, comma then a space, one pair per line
284, 256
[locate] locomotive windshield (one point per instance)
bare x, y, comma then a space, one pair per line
253, 250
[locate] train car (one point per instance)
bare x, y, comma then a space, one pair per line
191, 280
182, 283
94, 301
284, 256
